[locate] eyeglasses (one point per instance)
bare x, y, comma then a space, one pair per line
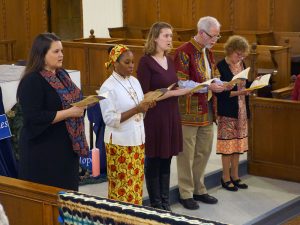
217, 37
240, 54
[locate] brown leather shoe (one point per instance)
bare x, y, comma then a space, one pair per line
189, 203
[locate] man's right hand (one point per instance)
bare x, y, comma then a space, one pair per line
216, 87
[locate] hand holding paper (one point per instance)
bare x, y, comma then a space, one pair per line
89, 100
236, 79
154, 95
259, 83
202, 85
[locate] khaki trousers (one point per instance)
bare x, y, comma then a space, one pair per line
192, 161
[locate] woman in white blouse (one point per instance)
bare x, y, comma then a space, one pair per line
124, 136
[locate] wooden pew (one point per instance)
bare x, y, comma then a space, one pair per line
283, 93
270, 57
186, 34
89, 55
7, 51
89, 58
274, 139
128, 32
29, 203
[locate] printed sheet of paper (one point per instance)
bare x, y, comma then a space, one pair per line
260, 83
154, 95
89, 100
202, 85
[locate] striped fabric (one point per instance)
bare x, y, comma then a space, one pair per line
77, 208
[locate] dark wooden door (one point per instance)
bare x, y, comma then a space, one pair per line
65, 18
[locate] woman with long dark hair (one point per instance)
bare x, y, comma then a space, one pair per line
52, 137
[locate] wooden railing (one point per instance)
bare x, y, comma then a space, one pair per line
29, 203
274, 139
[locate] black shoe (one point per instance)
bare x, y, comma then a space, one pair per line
238, 183
189, 203
166, 207
227, 186
206, 198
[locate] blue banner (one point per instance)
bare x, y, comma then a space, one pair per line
86, 162
4, 127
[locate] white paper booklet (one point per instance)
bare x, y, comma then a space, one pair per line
242, 75
202, 85
260, 83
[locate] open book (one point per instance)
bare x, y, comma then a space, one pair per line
259, 83
89, 100
202, 85
241, 75
154, 95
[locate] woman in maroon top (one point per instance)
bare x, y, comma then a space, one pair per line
296, 90
162, 123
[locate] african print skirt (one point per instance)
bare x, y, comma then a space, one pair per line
125, 173
233, 132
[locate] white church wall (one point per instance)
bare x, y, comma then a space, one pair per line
101, 14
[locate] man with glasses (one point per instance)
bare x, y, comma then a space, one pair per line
195, 64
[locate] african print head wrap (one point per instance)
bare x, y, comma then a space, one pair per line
115, 54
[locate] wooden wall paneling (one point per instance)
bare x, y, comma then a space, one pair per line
275, 149
2, 20
252, 15
17, 26
23, 21
220, 9
98, 72
75, 57
286, 14
66, 18
178, 13
37, 19
140, 13
2, 26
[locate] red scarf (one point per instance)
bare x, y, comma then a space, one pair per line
69, 93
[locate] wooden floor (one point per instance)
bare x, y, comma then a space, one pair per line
294, 221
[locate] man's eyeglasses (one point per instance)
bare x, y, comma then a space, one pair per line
217, 37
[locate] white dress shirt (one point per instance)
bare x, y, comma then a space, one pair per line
122, 94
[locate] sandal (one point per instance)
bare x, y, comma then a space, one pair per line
238, 183
227, 186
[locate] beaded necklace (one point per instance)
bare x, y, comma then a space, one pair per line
133, 95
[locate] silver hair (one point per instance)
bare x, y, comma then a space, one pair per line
205, 23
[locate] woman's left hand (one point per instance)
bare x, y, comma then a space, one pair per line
181, 91
245, 92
